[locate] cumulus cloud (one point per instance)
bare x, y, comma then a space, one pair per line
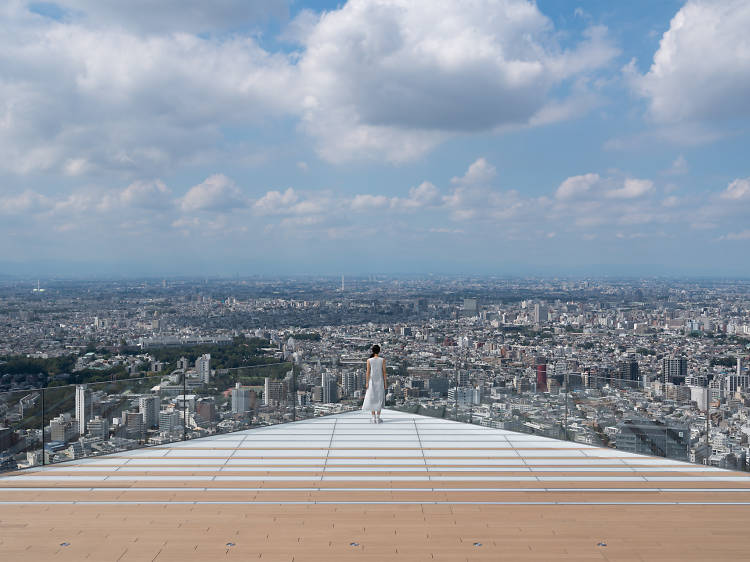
392, 78
576, 185
367, 202
742, 235
631, 188
77, 100
28, 202
216, 193
737, 190
147, 194
701, 70
480, 172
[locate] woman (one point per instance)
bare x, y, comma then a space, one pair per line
375, 385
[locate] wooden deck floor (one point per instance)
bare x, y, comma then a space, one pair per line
339, 488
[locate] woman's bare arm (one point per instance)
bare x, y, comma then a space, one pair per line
367, 376
385, 382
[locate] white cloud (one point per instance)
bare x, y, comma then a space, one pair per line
392, 78
276, 202
742, 235
216, 193
576, 186
28, 202
362, 203
480, 172
423, 195
701, 70
631, 188
737, 190
147, 195
679, 167
76, 100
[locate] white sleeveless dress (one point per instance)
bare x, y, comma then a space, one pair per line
375, 395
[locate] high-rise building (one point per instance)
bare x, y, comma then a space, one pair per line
627, 371
330, 389
83, 407
540, 314
98, 427
464, 395
654, 438
203, 368
134, 426
274, 391
243, 399
352, 381
470, 308
674, 369
149, 407
464, 378
169, 421
62, 428
735, 382
541, 374
206, 408
438, 385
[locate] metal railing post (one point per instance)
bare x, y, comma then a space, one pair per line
43, 406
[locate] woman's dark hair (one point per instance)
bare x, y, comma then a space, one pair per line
375, 350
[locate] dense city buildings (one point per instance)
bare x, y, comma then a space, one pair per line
644, 366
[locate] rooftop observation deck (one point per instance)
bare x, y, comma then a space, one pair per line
339, 488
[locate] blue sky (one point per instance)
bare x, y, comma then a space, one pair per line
375, 136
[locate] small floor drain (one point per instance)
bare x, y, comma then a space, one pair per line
601, 544
353, 544
230, 544
477, 544
64, 544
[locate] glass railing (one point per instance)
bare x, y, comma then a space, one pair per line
653, 419
62, 423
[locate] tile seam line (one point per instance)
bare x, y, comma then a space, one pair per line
374, 502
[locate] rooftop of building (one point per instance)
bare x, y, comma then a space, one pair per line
341, 488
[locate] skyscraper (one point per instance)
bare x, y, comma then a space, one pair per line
351, 381
98, 427
470, 307
674, 368
540, 314
541, 374
273, 391
149, 407
243, 399
169, 421
330, 389
627, 371
203, 368
83, 407
134, 426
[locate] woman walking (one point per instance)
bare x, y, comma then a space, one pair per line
375, 385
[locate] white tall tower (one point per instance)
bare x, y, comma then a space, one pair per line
203, 367
342, 283
82, 401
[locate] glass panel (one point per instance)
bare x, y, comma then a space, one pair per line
20, 429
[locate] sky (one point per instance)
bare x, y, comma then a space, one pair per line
185, 137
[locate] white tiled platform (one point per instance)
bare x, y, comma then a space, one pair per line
345, 453
416, 488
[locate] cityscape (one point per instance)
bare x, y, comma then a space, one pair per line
656, 367
365, 280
